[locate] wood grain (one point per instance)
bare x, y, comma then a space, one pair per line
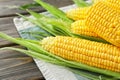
7, 26
22, 68
7, 10
18, 66
6, 54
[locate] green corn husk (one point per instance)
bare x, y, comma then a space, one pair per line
31, 5
53, 10
81, 3
38, 35
50, 20
42, 23
56, 26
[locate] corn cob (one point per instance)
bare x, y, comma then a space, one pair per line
115, 4
92, 53
105, 21
79, 27
77, 13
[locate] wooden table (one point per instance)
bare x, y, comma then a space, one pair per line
15, 65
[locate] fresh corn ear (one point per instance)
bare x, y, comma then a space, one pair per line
77, 13
92, 53
105, 21
79, 27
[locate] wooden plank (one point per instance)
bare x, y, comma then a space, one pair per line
7, 26
5, 11
6, 54
17, 66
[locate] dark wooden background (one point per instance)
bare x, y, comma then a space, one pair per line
15, 65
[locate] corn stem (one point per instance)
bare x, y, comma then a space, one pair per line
81, 3
53, 10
